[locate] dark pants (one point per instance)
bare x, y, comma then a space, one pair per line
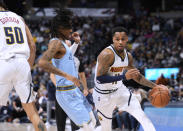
61, 118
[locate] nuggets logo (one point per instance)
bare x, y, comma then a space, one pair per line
116, 69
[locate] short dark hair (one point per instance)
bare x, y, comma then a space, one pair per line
2, 4
62, 19
119, 29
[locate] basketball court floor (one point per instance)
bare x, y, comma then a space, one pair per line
6, 126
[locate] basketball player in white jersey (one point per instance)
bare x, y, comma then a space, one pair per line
17, 54
115, 64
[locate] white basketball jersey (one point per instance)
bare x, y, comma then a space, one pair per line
13, 40
115, 70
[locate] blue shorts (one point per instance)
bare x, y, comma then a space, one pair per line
75, 105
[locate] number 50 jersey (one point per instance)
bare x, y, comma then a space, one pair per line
13, 40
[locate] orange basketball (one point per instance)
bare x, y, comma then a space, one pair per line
159, 96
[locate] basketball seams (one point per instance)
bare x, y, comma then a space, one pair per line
159, 97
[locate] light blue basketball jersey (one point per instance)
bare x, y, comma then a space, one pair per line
67, 65
72, 101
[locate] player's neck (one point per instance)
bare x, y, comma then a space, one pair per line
120, 52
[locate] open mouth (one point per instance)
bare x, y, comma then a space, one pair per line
120, 46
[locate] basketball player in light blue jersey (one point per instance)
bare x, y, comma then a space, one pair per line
68, 95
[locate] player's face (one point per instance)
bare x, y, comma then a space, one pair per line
119, 41
66, 32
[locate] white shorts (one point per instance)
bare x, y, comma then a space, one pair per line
15, 72
105, 104
119, 98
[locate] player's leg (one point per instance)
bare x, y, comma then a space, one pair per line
72, 103
105, 117
135, 110
4, 93
32, 113
60, 116
105, 107
22, 84
74, 127
48, 110
6, 76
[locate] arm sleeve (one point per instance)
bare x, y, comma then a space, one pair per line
109, 79
74, 48
81, 67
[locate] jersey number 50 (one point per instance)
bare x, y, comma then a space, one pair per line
13, 35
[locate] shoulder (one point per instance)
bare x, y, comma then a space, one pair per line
106, 53
130, 57
106, 56
54, 42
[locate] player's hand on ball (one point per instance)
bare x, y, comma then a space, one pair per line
76, 37
132, 74
163, 87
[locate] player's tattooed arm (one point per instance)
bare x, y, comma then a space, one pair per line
139, 78
143, 81
44, 61
105, 60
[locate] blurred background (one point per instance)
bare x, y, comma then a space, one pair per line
155, 41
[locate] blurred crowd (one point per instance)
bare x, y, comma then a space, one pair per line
153, 41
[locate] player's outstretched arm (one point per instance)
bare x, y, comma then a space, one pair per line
139, 78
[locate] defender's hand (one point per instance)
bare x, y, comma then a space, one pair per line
76, 37
132, 74
74, 80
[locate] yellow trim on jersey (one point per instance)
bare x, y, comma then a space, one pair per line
66, 90
65, 86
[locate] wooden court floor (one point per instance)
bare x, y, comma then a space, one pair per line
4, 126
22, 127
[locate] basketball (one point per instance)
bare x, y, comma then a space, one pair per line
159, 96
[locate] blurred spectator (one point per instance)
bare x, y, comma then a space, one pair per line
6, 113
162, 80
18, 113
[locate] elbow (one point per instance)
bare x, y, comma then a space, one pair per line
41, 63
32, 47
